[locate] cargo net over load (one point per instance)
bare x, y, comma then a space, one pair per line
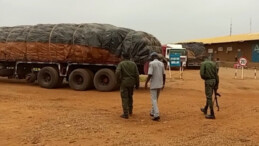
82, 43
195, 53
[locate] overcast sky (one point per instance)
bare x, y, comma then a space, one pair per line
168, 20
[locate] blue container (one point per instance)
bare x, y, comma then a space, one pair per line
255, 53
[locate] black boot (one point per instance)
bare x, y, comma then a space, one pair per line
211, 116
156, 118
125, 116
130, 112
204, 110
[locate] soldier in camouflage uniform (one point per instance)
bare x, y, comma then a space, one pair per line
128, 77
209, 74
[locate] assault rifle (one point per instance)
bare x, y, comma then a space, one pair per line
216, 97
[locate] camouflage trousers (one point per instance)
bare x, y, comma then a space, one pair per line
127, 99
209, 89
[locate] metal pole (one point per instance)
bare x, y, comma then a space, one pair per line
236, 73
180, 72
242, 73
230, 27
170, 71
250, 25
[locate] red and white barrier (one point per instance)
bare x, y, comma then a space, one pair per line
242, 73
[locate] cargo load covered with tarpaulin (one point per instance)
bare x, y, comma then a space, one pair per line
195, 53
195, 50
82, 43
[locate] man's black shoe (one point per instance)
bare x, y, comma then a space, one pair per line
210, 117
124, 116
204, 111
151, 115
156, 118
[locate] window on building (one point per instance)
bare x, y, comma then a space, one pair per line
220, 49
210, 51
229, 49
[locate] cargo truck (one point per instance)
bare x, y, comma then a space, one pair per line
85, 55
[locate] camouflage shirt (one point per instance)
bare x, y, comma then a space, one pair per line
127, 73
209, 71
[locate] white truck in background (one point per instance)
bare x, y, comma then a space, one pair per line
193, 52
175, 48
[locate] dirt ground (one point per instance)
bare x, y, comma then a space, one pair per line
30, 115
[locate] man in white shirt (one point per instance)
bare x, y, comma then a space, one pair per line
156, 73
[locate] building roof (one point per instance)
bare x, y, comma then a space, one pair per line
227, 39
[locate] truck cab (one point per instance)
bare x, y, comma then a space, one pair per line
175, 48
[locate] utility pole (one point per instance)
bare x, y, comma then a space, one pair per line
250, 25
230, 33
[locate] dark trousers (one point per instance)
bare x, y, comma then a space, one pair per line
209, 89
127, 99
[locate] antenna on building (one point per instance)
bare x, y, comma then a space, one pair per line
230, 33
250, 25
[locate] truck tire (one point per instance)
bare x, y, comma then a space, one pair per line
105, 80
31, 77
80, 79
6, 72
48, 77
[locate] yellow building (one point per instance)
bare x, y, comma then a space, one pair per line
230, 48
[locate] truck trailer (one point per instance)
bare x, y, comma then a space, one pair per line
86, 55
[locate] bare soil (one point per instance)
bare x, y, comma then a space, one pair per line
30, 115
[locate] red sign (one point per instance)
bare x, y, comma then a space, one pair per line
242, 61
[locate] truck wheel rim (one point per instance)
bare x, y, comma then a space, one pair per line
104, 80
46, 77
78, 79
